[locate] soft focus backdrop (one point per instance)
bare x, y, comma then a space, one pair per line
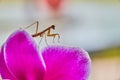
90, 24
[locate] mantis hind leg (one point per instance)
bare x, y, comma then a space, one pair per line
46, 40
40, 42
53, 39
58, 38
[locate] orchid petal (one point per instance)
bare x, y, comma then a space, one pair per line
22, 57
65, 63
4, 71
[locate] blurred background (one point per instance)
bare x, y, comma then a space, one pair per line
93, 25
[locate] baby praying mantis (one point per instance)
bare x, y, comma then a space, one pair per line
44, 32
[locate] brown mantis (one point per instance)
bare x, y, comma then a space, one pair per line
44, 32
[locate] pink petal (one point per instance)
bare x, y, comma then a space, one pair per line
65, 63
22, 57
4, 71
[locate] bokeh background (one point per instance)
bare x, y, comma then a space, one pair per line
90, 24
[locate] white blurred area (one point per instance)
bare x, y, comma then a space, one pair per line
90, 25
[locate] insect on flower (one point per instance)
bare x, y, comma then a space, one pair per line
45, 32
20, 59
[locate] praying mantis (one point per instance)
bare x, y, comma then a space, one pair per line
44, 32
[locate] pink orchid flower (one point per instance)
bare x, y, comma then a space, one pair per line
20, 59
